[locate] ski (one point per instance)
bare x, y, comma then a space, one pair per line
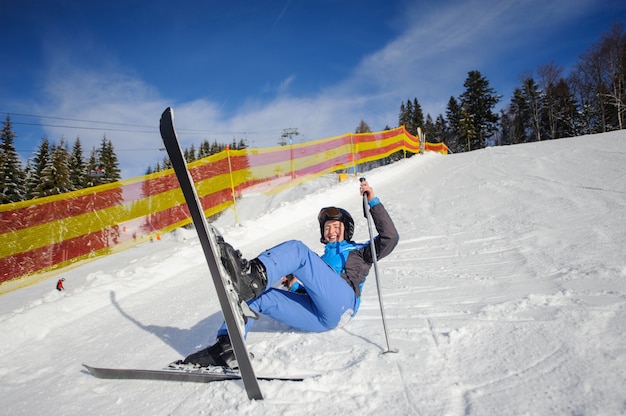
192, 375
232, 310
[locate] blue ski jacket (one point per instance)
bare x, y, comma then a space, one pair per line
353, 261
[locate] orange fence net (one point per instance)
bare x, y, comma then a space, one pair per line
53, 232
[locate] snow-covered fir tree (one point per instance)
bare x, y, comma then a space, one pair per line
103, 164
35, 167
55, 176
12, 176
79, 174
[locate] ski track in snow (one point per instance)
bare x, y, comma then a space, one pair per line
506, 295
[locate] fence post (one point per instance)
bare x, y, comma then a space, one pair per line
353, 150
232, 184
404, 142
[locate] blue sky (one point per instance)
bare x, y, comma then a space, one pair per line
249, 69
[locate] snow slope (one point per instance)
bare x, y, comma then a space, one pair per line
506, 295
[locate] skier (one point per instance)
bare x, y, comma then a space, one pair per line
60, 284
320, 290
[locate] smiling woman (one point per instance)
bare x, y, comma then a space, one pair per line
328, 289
335, 223
333, 231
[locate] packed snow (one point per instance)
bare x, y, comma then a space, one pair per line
505, 296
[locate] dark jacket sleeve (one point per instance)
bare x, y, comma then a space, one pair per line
359, 262
388, 236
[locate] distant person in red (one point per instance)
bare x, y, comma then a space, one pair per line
60, 285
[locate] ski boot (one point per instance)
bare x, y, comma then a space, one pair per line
220, 354
248, 277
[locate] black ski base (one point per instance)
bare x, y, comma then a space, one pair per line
197, 375
227, 296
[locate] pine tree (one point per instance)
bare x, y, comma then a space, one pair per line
403, 117
109, 162
429, 129
79, 176
478, 102
453, 112
93, 165
410, 127
55, 177
411, 116
519, 119
363, 127
548, 77
216, 148
167, 163
103, 164
36, 165
190, 154
204, 149
12, 176
417, 117
534, 99
469, 132
566, 111
441, 129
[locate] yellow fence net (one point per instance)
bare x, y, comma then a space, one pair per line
50, 233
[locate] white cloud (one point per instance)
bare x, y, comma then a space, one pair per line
117, 105
428, 60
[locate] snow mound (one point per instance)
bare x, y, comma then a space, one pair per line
506, 295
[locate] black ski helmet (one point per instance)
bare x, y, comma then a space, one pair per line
334, 213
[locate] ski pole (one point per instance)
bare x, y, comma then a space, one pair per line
368, 215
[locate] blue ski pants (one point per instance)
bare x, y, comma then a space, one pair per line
328, 296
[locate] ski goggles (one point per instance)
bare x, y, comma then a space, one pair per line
329, 213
